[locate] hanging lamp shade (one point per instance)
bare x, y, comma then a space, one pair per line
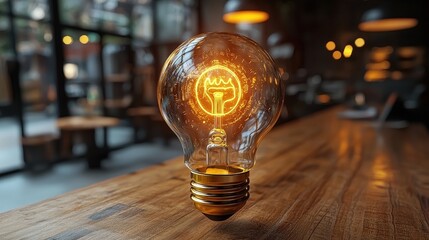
245, 11
389, 16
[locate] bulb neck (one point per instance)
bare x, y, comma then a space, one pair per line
219, 196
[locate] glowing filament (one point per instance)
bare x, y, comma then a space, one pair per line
218, 91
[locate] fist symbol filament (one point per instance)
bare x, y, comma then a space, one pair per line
218, 91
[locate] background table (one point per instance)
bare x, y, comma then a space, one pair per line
84, 127
149, 120
317, 177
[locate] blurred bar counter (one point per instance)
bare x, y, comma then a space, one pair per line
316, 177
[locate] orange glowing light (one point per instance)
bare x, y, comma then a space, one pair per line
388, 24
218, 171
218, 91
246, 17
384, 65
336, 55
330, 46
381, 53
324, 98
376, 75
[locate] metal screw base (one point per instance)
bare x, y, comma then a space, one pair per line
219, 196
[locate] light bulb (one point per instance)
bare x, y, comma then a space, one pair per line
220, 93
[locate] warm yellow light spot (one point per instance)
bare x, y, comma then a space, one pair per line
217, 171
84, 39
359, 42
246, 17
67, 40
218, 90
348, 50
336, 55
388, 24
330, 46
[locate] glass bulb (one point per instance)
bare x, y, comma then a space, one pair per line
220, 93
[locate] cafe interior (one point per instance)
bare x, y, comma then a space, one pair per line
78, 79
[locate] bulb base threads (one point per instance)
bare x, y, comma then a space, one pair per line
219, 196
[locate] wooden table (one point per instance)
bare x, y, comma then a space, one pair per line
317, 177
85, 127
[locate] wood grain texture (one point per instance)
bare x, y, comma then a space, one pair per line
315, 178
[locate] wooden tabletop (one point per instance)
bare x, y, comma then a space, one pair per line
82, 123
317, 177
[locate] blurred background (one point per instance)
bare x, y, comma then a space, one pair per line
78, 78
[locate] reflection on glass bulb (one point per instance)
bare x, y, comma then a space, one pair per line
220, 93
